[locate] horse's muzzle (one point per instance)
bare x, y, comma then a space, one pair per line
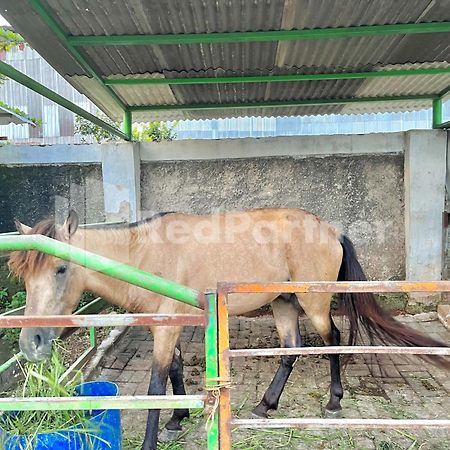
36, 343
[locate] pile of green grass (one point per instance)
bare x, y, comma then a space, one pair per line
43, 380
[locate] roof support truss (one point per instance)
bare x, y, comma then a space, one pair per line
261, 36
279, 78
288, 103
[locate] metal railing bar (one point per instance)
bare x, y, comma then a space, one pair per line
88, 403
341, 423
335, 287
345, 349
102, 320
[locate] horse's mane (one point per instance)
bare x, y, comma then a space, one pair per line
21, 262
28, 261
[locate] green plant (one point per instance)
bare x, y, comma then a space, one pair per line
88, 129
42, 380
9, 40
11, 335
154, 132
148, 132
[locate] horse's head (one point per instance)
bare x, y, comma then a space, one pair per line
53, 286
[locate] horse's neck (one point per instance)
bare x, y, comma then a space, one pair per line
115, 245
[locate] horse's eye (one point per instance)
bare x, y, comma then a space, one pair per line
61, 270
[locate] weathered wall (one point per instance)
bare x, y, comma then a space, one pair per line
32, 193
363, 194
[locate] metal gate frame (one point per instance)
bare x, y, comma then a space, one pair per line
226, 422
137, 277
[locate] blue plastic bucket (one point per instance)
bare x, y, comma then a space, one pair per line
103, 425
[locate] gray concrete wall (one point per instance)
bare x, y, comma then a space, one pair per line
362, 194
32, 193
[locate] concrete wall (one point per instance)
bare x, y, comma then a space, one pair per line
361, 194
32, 193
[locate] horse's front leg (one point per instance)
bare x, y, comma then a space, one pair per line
165, 340
173, 429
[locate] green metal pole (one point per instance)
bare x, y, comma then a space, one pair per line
101, 264
212, 371
281, 103
82, 61
437, 112
279, 78
128, 124
261, 36
88, 403
28, 82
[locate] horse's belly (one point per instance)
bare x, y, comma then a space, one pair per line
243, 303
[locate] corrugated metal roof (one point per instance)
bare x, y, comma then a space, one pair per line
103, 17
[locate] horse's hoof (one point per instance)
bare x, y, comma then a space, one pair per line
335, 414
259, 414
169, 435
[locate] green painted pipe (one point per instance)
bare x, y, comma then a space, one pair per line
128, 124
101, 264
212, 369
35, 86
282, 103
437, 112
88, 403
261, 36
279, 78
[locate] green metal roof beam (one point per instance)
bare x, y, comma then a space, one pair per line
261, 36
278, 78
63, 38
28, 82
283, 103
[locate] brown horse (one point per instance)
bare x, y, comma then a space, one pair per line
199, 251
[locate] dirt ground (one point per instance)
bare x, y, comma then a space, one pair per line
382, 386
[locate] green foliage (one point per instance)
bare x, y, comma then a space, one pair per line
11, 335
149, 132
154, 132
87, 129
9, 40
19, 112
43, 380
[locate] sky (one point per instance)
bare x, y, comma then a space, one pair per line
3, 22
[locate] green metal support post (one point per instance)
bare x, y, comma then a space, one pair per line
28, 82
437, 112
212, 371
128, 124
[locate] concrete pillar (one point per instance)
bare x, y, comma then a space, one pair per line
425, 176
121, 181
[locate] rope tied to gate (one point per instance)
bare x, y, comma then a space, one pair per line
213, 387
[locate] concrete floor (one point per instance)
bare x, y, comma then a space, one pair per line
375, 387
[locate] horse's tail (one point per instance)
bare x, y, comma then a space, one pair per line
365, 314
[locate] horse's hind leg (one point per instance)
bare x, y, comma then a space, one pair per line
317, 308
165, 340
173, 429
285, 311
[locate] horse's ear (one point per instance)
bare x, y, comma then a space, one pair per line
71, 224
21, 228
